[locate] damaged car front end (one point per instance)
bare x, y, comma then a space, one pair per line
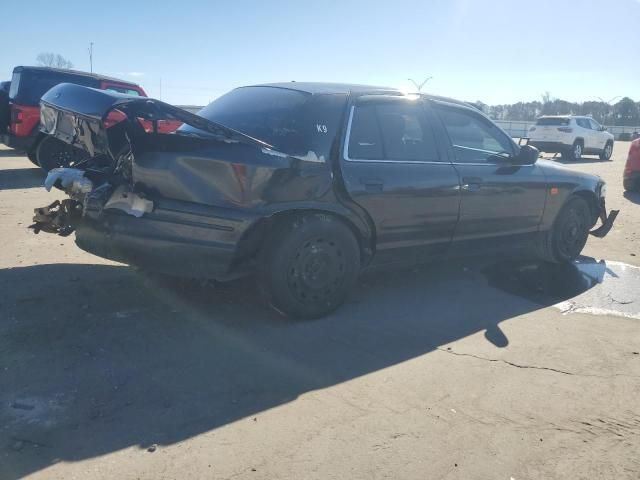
188, 203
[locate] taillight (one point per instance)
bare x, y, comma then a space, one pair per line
17, 115
565, 129
114, 117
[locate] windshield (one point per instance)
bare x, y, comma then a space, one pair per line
285, 119
552, 121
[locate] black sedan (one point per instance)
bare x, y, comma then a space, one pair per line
304, 185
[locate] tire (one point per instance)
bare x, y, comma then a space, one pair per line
52, 153
568, 236
607, 152
308, 265
575, 153
631, 185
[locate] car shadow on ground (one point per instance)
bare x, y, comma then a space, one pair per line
18, 178
633, 197
10, 153
99, 358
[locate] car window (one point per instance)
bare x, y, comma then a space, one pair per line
394, 132
365, 140
475, 140
35, 83
583, 122
404, 135
125, 90
15, 83
293, 122
594, 125
552, 121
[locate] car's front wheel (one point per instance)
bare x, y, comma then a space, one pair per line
308, 265
568, 236
607, 151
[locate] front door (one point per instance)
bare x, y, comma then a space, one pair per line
392, 168
600, 136
499, 199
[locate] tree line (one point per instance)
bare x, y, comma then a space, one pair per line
625, 112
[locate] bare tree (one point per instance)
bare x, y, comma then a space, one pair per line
49, 59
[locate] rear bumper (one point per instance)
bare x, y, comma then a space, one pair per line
191, 241
18, 143
550, 147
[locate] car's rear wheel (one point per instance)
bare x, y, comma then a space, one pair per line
53, 153
631, 185
575, 152
607, 152
568, 236
308, 265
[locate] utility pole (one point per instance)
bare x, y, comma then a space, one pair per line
419, 86
91, 57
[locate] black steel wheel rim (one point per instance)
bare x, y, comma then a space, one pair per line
572, 233
317, 271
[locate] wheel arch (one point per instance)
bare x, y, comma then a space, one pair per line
591, 199
253, 238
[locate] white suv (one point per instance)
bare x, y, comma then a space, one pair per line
572, 136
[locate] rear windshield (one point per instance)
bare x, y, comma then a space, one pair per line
552, 121
28, 86
293, 122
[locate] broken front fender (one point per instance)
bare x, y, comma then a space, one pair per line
607, 221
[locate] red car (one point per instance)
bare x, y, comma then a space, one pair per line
632, 168
20, 129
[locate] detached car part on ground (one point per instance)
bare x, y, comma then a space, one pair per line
305, 185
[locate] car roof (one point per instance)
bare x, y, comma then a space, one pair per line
316, 88
566, 116
96, 76
329, 88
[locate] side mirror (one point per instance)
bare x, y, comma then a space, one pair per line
603, 129
528, 155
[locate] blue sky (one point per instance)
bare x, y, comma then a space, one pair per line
496, 51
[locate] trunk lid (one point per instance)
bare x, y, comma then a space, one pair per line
76, 115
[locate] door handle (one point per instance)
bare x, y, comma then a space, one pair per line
471, 184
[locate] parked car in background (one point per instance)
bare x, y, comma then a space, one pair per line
22, 112
631, 176
572, 136
5, 112
305, 184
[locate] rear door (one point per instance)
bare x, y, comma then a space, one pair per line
393, 168
498, 199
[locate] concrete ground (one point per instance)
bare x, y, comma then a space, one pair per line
458, 370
